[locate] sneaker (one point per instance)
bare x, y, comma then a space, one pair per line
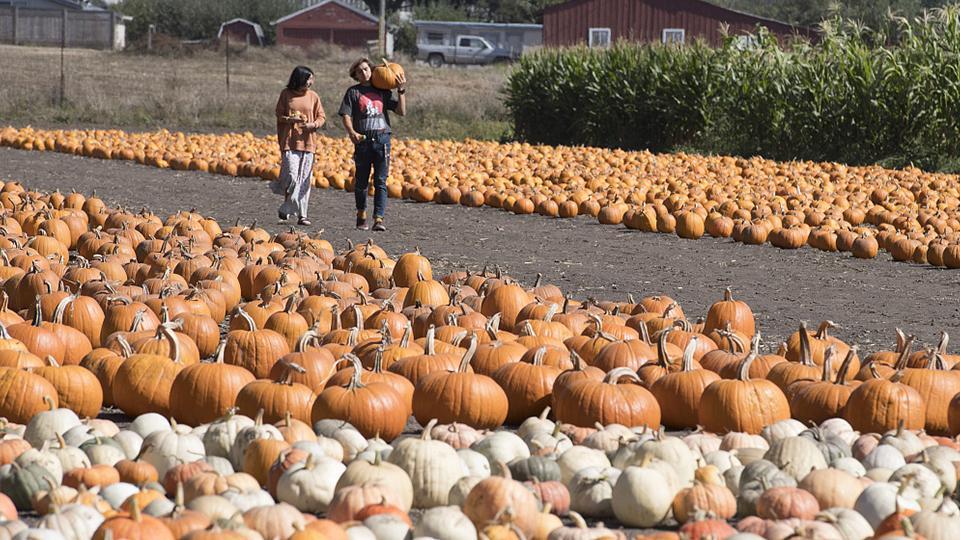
283, 217
362, 221
378, 225
304, 221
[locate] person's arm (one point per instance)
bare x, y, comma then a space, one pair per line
282, 117
401, 95
319, 115
348, 125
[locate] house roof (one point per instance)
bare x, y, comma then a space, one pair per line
51, 4
558, 7
323, 3
256, 27
480, 24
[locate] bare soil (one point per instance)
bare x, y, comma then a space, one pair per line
867, 298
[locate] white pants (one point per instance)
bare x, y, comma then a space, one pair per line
296, 170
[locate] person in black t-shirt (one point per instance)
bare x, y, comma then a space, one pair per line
365, 116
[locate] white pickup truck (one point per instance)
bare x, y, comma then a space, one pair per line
465, 50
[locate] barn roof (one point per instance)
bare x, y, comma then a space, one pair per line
323, 3
558, 7
257, 29
458, 24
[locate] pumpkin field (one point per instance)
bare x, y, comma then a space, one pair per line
548, 342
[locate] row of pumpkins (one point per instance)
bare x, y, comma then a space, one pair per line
911, 214
268, 437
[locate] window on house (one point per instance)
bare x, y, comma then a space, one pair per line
673, 35
435, 38
598, 37
745, 42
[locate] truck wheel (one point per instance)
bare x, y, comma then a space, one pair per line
435, 60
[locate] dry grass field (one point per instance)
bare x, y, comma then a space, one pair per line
188, 92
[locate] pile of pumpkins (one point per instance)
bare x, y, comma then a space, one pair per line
295, 423
911, 214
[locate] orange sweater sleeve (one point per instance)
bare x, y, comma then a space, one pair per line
318, 114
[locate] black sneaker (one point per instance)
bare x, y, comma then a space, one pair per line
362, 221
378, 225
282, 216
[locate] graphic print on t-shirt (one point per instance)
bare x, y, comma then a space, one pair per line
371, 105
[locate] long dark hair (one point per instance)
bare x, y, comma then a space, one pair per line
299, 77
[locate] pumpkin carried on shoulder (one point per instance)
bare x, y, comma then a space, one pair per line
385, 76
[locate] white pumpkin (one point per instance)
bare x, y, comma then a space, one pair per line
476, 463
309, 485
9, 529
116, 494
247, 435
736, 440
164, 449
536, 424
445, 523
782, 429
849, 523
945, 470
221, 466
879, 500
73, 521
388, 527
80, 434
722, 460
460, 490
39, 534
920, 483
940, 524
352, 442
222, 433
148, 423
904, 440
731, 478
108, 427
160, 507
671, 450
642, 497
796, 456
104, 452
702, 443
325, 447
359, 531
578, 458
247, 499
361, 471
130, 441
70, 457
46, 425
551, 443
850, 465
433, 468
44, 458
214, 507
837, 426
885, 456
591, 491
501, 447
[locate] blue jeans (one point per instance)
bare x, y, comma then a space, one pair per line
372, 152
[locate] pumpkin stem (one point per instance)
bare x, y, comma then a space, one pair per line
942, 345
37, 315
743, 370
62, 306
845, 366
686, 363
425, 436
805, 357
167, 331
355, 381
663, 360
827, 363
428, 346
901, 340
823, 329
901, 362
468, 356
614, 375
727, 295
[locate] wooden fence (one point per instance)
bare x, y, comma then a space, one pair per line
84, 29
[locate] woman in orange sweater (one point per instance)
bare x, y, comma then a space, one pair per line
299, 116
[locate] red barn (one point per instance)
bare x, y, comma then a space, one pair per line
332, 21
241, 31
598, 23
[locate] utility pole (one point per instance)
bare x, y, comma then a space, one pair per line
228, 61
382, 29
63, 45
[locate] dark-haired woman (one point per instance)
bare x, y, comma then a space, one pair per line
299, 116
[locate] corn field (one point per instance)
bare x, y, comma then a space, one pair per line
856, 96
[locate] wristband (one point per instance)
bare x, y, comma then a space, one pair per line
402, 91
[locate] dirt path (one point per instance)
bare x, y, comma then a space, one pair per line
867, 298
